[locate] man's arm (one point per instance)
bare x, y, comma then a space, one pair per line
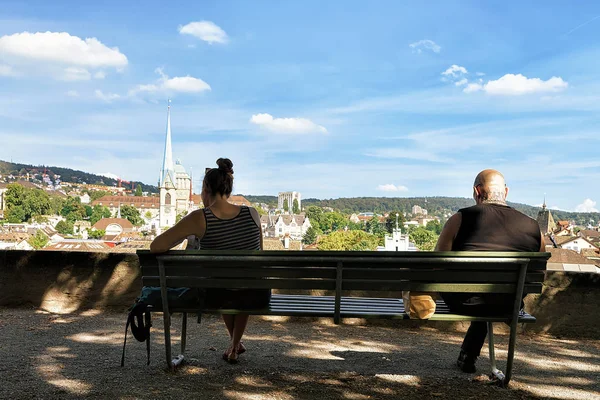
449, 233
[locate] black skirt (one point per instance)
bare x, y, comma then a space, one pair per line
242, 299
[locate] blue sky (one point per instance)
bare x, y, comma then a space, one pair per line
332, 99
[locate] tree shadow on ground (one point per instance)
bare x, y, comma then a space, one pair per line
77, 355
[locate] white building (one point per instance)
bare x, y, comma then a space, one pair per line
175, 185
289, 197
294, 226
397, 242
85, 198
577, 244
418, 210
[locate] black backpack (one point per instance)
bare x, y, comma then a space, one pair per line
140, 321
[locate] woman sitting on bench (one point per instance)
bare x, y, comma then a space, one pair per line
222, 226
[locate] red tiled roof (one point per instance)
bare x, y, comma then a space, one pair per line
136, 201
239, 201
105, 222
567, 256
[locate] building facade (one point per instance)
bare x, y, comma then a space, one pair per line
293, 226
289, 197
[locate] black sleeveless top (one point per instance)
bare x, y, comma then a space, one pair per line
494, 227
238, 233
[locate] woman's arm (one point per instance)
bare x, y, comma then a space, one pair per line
256, 218
191, 224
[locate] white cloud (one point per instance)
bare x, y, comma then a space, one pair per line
205, 30
425, 44
286, 125
511, 84
108, 97
109, 175
61, 48
479, 73
72, 93
7, 70
473, 87
392, 188
75, 74
455, 71
515, 85
184, 84
588, 205
100, 75
462, 82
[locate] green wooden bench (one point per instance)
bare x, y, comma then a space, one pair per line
341, 272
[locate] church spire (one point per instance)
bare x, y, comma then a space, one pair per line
544, 205
167, 169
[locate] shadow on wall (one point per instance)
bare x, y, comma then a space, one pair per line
65, 282
568, 305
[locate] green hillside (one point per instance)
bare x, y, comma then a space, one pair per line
437, 205
66, 175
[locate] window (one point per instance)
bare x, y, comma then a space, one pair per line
168, 199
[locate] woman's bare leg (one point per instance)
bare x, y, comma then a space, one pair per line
239, 326
229, 323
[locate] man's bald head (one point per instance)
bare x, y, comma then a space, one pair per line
490, 186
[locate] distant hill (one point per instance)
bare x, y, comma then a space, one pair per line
434, 205
66, 175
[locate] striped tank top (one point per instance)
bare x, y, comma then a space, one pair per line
238, 233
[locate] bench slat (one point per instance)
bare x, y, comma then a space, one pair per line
308, 284
368, 308
243, 272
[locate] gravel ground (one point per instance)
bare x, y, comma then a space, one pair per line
51, 356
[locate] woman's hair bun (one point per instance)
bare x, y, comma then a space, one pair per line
225, 165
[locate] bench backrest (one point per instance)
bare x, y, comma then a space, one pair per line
485, 272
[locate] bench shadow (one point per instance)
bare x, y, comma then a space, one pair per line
77, 355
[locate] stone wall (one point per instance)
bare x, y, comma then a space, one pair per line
65, 282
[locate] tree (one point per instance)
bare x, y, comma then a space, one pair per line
286, 206
348, 240
422, 238
73, 210
64, 227
314, 214
296, 207
36, 202
15, 215
14, 195
96, 234
311, 235
434, 226
138, 190
332, 221
148, 215
39, 240
99, 212
390, 221
132, 214
373, 226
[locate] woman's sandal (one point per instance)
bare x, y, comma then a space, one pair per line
241, 349
232, 358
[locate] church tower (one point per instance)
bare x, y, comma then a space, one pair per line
167, 184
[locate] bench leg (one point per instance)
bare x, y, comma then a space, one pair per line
167, 323
495, 371
511, 351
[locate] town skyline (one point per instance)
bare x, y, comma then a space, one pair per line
395, 100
